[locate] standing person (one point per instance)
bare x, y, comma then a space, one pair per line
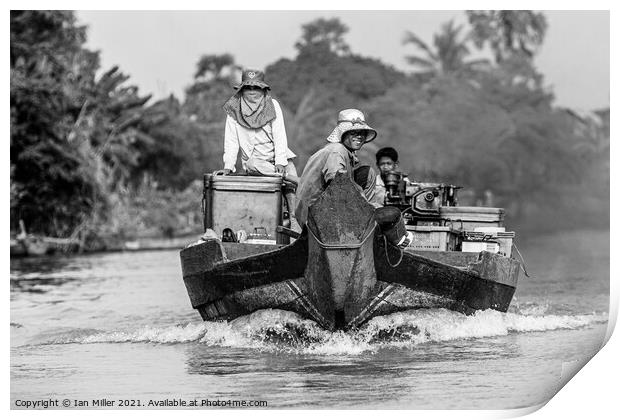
255, 126
339, 155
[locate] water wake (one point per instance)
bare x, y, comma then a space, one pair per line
276, 330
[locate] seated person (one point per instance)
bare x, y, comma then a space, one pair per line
339, 155
387, 161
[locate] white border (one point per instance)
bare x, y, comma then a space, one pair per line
591, 394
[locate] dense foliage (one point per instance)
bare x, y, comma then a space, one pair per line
92, 156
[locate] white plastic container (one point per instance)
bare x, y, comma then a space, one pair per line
505, 242
489, 229
433, 238
261, 241
489, 246
489, 235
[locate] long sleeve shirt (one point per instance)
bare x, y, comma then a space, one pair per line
319, 172
268, 143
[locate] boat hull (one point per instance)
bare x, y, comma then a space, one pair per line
341, 272
491, 285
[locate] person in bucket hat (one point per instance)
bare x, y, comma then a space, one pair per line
339, 155
255, 127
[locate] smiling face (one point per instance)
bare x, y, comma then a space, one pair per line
354, 139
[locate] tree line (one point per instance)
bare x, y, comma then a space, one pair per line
92, 156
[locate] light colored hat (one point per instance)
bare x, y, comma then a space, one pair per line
349, 120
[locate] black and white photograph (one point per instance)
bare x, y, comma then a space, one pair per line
307, 209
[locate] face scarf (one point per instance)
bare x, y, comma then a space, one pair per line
251, 112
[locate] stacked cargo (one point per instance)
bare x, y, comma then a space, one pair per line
466, 229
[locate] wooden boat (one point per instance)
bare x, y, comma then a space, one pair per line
26, 244
341, 272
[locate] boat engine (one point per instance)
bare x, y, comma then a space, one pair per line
419, 202
431, 212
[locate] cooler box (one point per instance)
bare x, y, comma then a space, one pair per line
468, 218
433, 238
243, 203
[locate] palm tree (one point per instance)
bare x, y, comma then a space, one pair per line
449, 55
508, 32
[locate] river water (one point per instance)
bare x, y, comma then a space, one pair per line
119, 326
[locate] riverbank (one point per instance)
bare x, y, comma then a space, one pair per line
38, 245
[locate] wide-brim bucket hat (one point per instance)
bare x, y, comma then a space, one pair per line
252, 78
349, 120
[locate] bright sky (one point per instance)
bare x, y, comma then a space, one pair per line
160, 49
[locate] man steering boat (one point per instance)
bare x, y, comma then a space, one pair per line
340, 155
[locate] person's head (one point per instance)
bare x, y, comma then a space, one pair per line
352, 130
253, 85
387, 159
